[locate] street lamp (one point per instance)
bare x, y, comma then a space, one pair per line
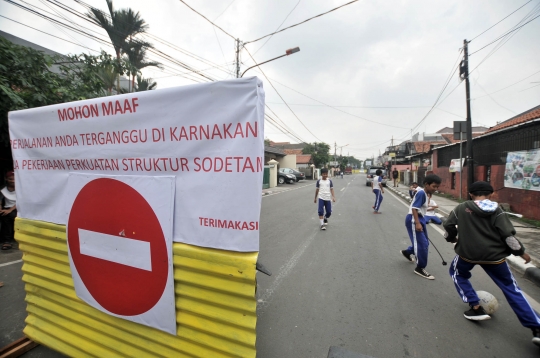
287, 53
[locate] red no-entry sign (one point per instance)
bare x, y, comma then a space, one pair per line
118, 247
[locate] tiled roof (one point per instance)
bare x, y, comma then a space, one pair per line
303, 159
424, 147
449, 137
529, 115
269, 149
293, 151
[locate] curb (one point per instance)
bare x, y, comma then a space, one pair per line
529, 271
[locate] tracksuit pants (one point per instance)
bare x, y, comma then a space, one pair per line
434, 219
325, 205
378, 199
460, 271
419, 241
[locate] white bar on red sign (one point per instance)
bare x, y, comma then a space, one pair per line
118, 249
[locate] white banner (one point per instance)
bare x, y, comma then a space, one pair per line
209, 136
119, 235
522, 170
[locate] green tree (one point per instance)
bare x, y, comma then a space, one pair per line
319, 153
145, 84
120, 25
136, 55
26, 80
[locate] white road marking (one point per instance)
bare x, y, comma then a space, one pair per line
10, 263
118, 249
342, 189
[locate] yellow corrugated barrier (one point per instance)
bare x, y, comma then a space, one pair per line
214, 292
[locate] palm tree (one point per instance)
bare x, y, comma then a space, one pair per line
136, 55
121, 25
145, 84
108, 75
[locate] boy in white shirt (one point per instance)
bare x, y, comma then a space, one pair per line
325, 194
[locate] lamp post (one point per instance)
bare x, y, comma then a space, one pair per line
287, 53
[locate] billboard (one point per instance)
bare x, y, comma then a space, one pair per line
522, 170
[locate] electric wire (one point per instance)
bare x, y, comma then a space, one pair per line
300, 23
46, 33
198, 13
506, 34
483, 32
473, 99
337, 109
282, 97
454, 68
286, 17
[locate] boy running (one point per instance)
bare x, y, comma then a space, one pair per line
325, 194
415, 223
377, 188
486, 237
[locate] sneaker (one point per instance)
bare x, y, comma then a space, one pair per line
325, 221
323, 227
407, 256
536, 336
423, 273
476, 314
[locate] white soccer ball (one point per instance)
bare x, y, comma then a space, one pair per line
488, 301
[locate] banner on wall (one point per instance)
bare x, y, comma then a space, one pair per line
522, 170
454, 165
209, 137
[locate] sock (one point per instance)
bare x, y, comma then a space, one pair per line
322, 221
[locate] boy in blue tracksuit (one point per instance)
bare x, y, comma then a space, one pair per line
377, 188
415, 223
485, 236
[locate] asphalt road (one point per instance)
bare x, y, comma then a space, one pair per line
349, 287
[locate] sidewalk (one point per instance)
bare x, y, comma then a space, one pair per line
527, 234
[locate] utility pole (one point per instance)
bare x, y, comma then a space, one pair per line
237, 58
465, 72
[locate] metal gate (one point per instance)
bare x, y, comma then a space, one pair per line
421, 175
266, 177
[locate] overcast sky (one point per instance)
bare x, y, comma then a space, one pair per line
366, 72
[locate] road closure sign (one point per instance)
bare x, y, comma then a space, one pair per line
209, 137
119, 235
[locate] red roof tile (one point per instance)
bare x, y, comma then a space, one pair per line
520, 118
293, 151
303, 159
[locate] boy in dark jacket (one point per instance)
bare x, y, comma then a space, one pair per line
485, 236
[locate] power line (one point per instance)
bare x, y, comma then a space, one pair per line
282, 97
286, 17
325, 105
198, 13
337, 109
454, 67
506, 34
472, 99
499, 21
46, 33
300, 23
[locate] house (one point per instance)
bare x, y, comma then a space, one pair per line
507, 156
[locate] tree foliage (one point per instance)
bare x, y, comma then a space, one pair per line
145, 84
27, 81
319, 153
121, 26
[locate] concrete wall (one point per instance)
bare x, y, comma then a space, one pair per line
288, 161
